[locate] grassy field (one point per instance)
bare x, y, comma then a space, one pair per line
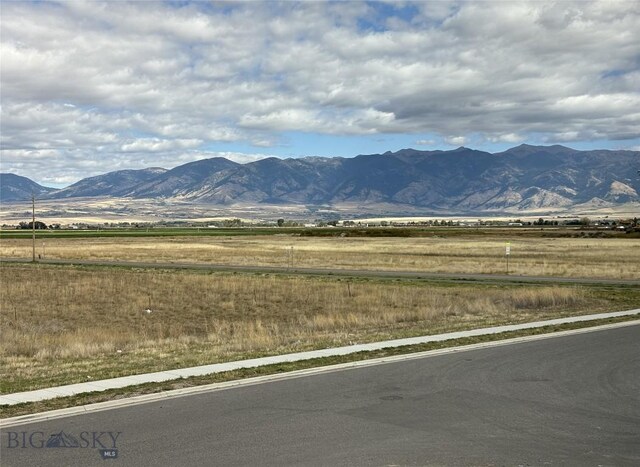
454, 251
279, 368
60, 325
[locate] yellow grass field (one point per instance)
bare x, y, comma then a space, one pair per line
64, 324
565, 257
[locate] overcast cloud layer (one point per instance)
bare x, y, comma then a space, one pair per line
91, 87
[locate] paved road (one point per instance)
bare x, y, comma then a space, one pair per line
335, 272
572, 400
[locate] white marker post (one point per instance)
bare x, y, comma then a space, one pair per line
507, 254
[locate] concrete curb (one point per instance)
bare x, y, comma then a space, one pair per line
161, 376
172, 394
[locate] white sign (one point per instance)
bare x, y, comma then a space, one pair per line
508, 250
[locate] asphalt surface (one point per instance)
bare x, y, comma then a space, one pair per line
333, 272
572, 400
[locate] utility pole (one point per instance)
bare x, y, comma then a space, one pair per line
33, 224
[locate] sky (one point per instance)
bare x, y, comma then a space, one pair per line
90, 87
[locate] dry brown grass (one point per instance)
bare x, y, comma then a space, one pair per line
69, 324
568, 257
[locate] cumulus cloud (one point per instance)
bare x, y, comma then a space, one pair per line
97, 82
455, 140
506, 138
158, 145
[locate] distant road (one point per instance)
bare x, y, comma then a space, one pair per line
334, 272
571, 401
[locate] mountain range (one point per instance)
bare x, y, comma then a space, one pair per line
16, 188
523, 178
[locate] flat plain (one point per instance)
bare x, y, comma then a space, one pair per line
67, 324
562, 253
